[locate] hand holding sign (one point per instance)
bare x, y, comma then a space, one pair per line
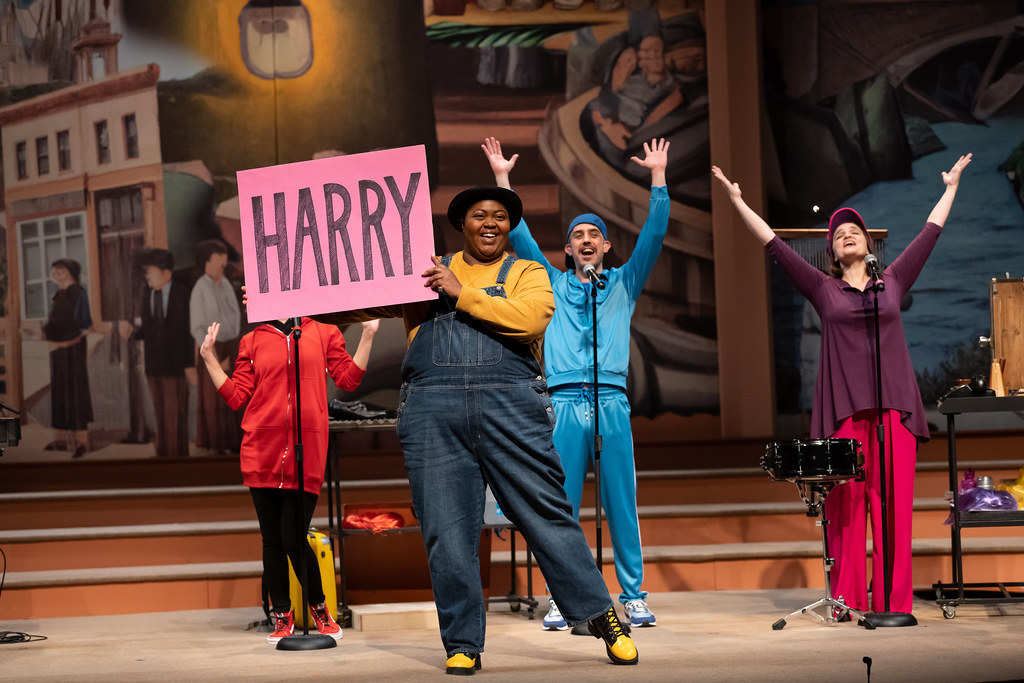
441, 279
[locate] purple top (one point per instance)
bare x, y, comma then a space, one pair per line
846, 370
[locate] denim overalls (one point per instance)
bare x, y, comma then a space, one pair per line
474, 408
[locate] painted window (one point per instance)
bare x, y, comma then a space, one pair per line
102, 142
131, 137
21, 155
43, 241
43, 155
64, 150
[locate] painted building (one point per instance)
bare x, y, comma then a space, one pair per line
82, 179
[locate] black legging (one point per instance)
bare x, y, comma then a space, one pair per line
277, 511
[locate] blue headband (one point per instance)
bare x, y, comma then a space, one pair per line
591, 218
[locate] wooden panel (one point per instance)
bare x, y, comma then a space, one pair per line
1007, 300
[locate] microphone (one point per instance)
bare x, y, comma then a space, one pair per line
591, 272
875, 271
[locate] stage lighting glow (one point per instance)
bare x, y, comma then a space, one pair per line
276, 38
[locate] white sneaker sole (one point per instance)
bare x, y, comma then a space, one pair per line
554, 627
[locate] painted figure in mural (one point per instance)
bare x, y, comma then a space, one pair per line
264, 378
474, 411
213, 299
845, 402
570, 370
654, 86
141, 421
66, 328
169, 351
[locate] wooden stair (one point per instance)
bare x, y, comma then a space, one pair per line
143, 550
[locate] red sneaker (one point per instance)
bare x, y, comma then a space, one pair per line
284, 625
325, 623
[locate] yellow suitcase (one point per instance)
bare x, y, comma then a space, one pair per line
321, 545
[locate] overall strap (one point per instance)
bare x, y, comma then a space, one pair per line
505, 267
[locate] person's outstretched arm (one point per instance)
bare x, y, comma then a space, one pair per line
362, 355
908, 265
648, 245
347, 371
522, 240
805, 277
951, 179
755, 223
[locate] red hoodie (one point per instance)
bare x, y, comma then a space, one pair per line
265, 376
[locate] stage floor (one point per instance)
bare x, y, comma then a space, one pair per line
701, 636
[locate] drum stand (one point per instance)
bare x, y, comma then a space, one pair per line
813, 494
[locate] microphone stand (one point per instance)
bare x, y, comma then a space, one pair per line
596, 283
886, 618
317, 641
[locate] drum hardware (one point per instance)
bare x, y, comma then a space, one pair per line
816, 467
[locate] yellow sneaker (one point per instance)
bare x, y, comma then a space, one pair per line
617, 643
461, 664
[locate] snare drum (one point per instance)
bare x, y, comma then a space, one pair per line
814, 460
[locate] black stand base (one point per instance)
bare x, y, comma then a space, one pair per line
890, 619
314, 641
581, 630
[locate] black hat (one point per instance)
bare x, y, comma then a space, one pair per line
461, 203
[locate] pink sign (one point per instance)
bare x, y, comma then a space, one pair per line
336, 234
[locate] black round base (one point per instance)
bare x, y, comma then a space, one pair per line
581, 630
314, 641
890, 619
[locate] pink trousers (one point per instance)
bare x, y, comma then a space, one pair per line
848, 505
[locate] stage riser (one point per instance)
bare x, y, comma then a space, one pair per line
677, 523
162, 508
737, 574
131, 551
187, 507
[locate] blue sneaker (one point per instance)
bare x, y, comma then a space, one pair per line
553, 620
639, 613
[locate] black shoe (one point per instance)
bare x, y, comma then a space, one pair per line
56, 446
79, 452
617, 643
462, 664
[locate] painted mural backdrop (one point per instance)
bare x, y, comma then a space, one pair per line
869, 103
124, 122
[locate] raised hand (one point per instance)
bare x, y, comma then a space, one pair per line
655, 154
732, 188
500, 166
371, 326
951, 180
952, 177
206, 348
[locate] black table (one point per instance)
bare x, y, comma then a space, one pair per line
959, 593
